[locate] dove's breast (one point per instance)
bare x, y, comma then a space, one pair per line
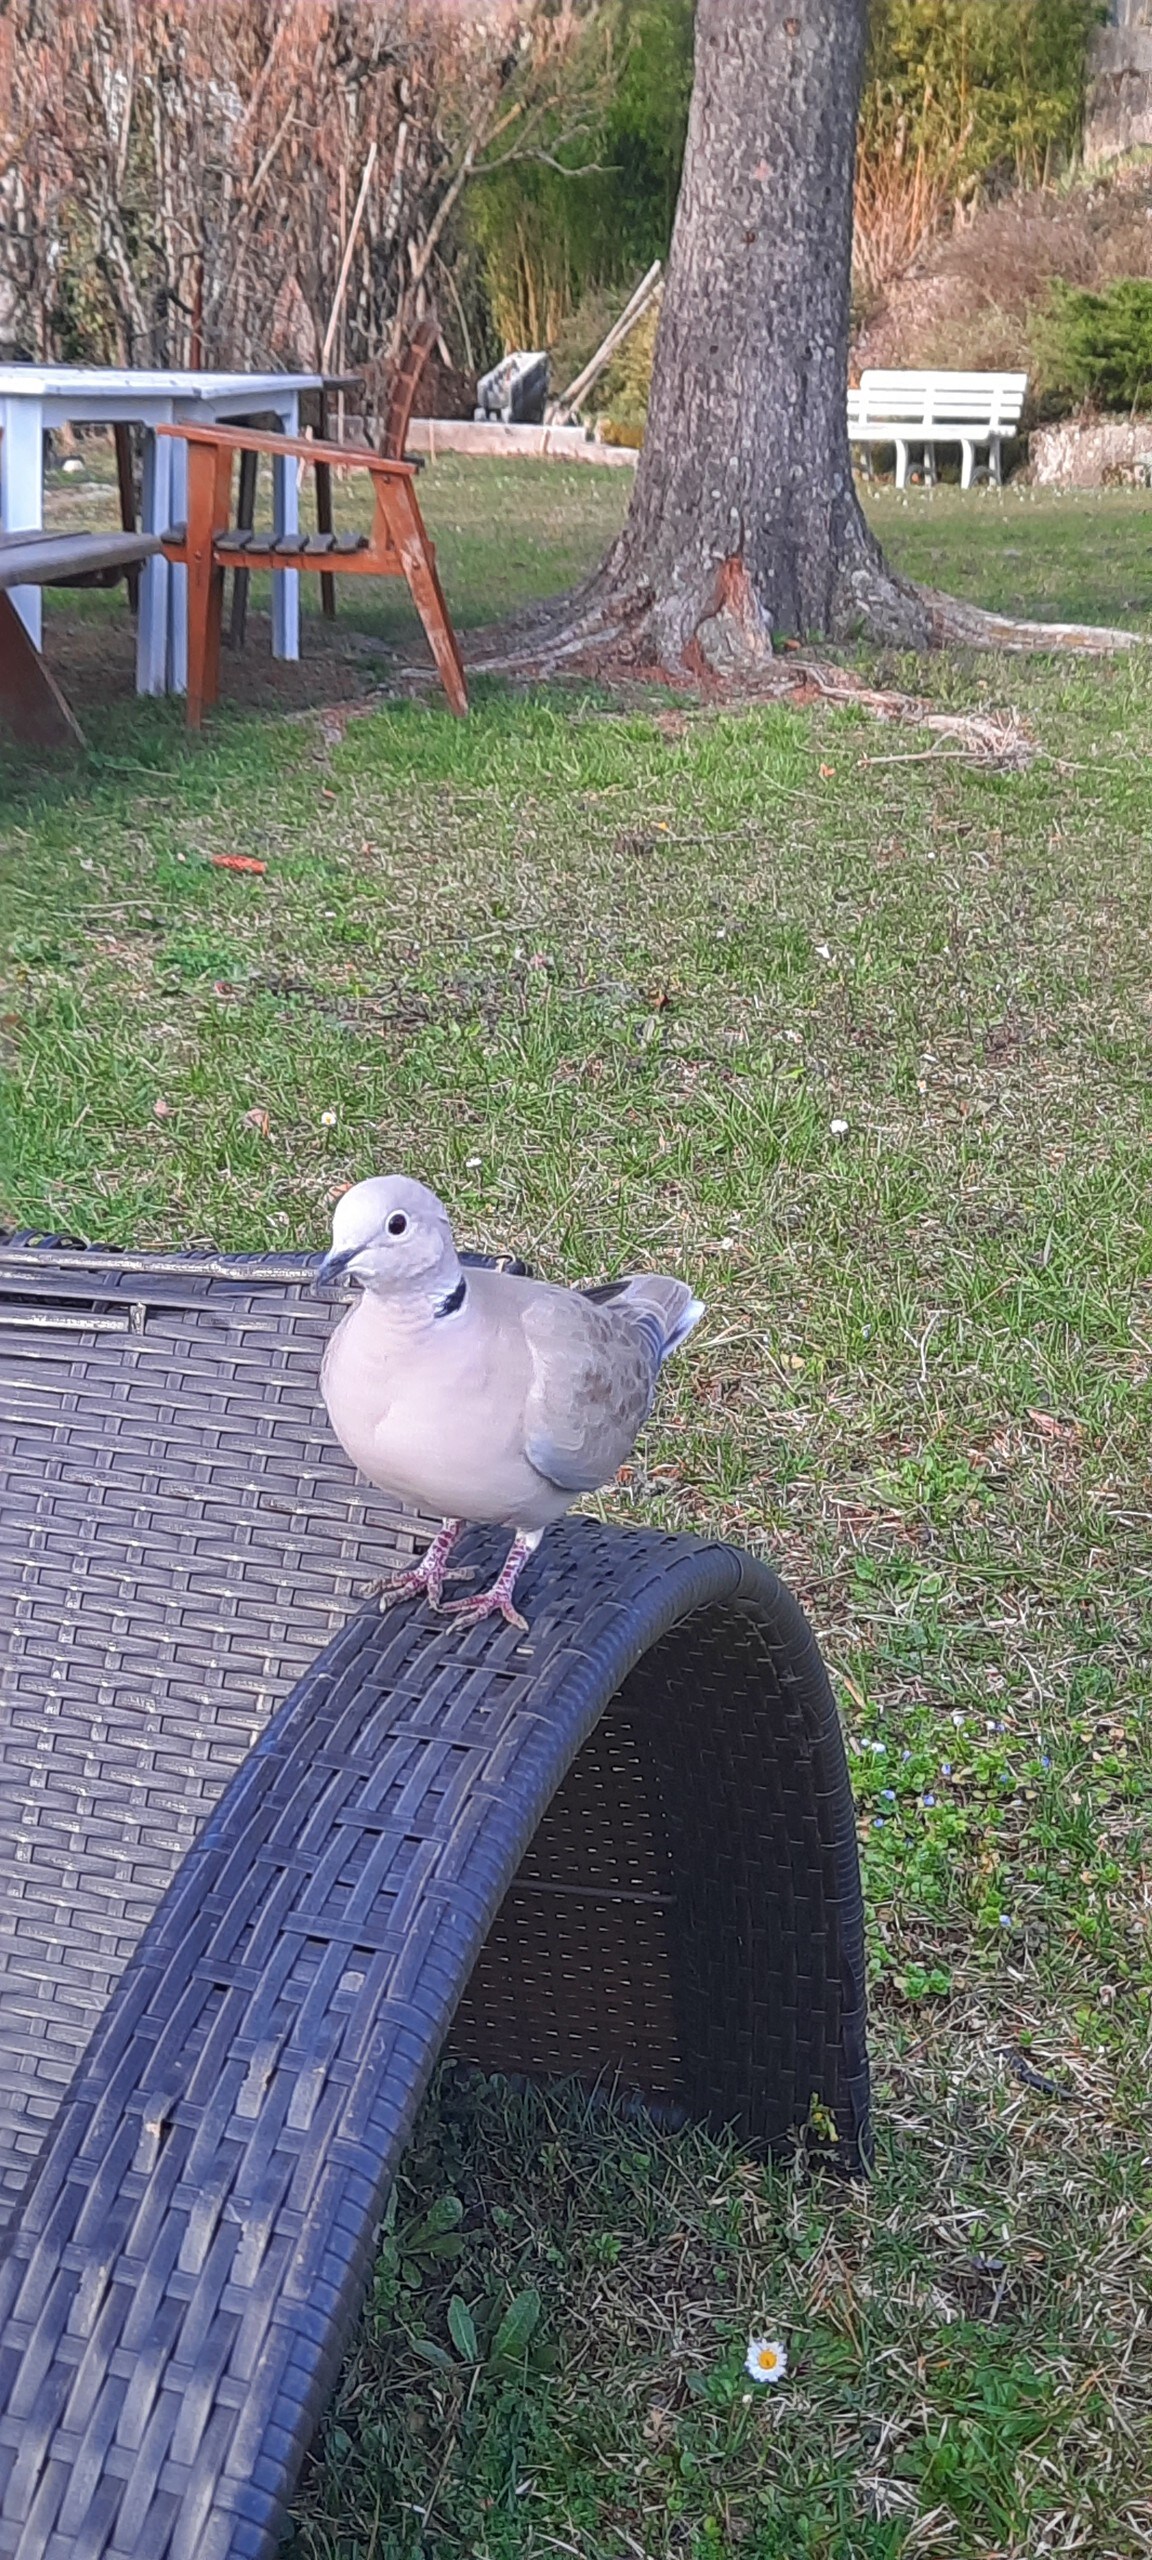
433, 1411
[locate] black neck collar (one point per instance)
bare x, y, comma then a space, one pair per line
451, 1305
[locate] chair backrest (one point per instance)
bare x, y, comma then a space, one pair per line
402, 396
179, 1534
940, 399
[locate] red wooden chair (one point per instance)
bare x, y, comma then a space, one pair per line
396, 547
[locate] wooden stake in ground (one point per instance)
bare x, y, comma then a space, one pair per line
346, 261
634, 310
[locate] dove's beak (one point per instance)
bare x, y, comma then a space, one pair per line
333, 1267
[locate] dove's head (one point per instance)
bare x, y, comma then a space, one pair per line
393, 1236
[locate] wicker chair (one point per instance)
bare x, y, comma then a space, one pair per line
261, 1860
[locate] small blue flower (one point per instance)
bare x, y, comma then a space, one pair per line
1005, 1919
1045, 1762
928, 1800
889, 1793
878, 1822
946, 1768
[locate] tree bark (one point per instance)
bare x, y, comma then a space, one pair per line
745, 522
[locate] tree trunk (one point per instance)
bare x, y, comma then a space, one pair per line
745, 521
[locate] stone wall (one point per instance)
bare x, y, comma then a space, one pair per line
1091, 453
1118, 110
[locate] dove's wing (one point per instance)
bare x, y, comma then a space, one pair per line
593, 1379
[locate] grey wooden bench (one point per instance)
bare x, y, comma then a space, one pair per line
32, 705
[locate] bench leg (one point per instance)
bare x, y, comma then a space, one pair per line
929, 466
967, 464
126, 483
901, 464
209, 486
994, 471
406, 526
324, 506
245, 519
31, 703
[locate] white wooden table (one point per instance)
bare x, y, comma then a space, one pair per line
35, 398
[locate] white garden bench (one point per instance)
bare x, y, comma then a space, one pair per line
927, 409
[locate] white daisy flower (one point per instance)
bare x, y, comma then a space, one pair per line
766, 2360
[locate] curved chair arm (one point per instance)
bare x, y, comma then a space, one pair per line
435, 1823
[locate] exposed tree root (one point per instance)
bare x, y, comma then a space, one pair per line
999, 738
600, 637
591, 637
729, 642
967, 626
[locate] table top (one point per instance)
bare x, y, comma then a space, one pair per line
88, 382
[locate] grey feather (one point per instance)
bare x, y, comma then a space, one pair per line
596, 1358
665, 1309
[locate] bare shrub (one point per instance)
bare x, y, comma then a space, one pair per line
977, 306
903, 193
188, 170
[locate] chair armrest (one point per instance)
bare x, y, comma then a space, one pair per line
344, 457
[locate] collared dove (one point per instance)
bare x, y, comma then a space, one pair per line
478, 1395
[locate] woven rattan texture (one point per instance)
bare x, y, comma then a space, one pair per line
178, 1537
191, 2254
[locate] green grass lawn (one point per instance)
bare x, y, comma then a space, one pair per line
611, 979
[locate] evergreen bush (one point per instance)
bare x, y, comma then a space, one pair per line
1098, 346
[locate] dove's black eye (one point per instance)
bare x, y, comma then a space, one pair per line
397, 1224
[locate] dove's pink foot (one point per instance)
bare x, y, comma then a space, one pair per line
498, 1601
430, 1575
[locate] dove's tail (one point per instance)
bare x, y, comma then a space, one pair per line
664, 1310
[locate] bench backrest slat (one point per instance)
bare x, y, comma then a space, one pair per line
926, 400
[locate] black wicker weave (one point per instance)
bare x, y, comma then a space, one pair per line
621, 1847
